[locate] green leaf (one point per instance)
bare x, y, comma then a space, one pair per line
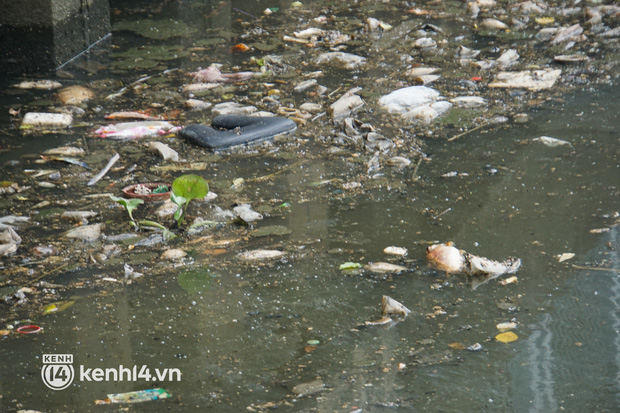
350, 265
190, 187
129, 204
57, 306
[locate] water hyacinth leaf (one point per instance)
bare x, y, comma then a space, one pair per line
129, 204
57, 306
350, 266
507, 337
190, 187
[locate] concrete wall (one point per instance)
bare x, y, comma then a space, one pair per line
37, 36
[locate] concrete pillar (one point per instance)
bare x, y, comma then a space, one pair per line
38, 36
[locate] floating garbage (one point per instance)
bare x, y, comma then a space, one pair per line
136, 396
391, 311
385, 268
260, 254
415, 103
57, 307
134, 130
448, 258
344, 60
9, 241
246, 213
528, 79
29, 329
174, 254
86, 232
149, 192
65, 151
75, 95
78, 216
552, 142
232, 108
46, 120
213, 74
167, 153
38, 84
399, 251
238, 130
345, 105
105, 169
130, 115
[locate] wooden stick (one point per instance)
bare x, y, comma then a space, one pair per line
105, 170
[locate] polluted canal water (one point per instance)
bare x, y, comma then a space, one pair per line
301, 281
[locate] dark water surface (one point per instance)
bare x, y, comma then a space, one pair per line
239, 333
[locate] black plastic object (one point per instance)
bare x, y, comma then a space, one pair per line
235, 130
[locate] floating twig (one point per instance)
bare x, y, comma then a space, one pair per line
105, 170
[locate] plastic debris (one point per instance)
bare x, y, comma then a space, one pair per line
509, 325
528, 79
238, 130
344, 60
46, 120
552, 142
134, 130
260, 254
385, 268
65, 151
392, 311
136, 396
345, 105
415, 103
9, 241
400, 251
448, 258
29, 329
38, 84
246, 213
167, 153
212, 74
86, 232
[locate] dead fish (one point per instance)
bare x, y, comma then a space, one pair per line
130, 115
65, 159
65, 151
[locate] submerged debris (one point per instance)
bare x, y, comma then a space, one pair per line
446, 257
